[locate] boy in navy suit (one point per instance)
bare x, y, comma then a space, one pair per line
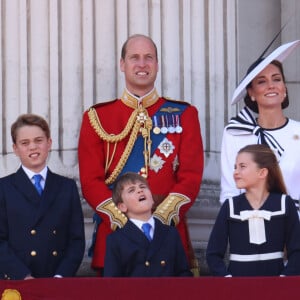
132, 252
41, 222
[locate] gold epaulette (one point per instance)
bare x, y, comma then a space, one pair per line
117, 218
168, 210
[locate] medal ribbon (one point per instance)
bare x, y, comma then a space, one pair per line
136, 159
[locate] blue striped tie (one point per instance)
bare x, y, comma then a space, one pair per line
37, 183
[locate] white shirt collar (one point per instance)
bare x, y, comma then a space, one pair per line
139, 223
29, 173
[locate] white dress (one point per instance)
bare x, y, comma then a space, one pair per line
287, 136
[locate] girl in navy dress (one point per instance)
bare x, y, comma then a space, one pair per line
258, 226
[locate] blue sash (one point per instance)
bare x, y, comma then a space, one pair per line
136, 159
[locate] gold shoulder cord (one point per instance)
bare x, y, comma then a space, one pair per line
110, 138
138, 121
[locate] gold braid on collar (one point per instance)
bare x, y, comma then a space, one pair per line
139, 121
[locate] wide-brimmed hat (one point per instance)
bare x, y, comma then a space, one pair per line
280, 54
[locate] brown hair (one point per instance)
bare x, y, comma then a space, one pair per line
253, 104
124, 47
29, 120
126, 178
264, 157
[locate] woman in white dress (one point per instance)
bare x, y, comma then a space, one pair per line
262, 121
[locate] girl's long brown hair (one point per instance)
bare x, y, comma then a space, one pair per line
264, 157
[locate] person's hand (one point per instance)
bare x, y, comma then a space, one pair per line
28, 277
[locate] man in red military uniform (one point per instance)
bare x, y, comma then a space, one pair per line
144, 133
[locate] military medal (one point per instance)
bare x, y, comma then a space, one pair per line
163, 129
166, 147
156, 129
156, 163
171, 127
178, 128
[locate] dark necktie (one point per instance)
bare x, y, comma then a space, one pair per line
146, 228
37, 183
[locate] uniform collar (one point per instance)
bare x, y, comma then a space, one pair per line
134, 101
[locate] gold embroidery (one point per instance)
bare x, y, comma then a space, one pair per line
111, 138
117, 218
139, 121
170, 109
11, 294
168, 210
133, 101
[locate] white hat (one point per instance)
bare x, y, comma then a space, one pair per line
280, 54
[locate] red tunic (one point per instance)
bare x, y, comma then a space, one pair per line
179, 173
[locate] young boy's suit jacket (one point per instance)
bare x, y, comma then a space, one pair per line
130, 254
40, 235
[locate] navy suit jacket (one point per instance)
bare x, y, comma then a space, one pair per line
40, 235
130, 254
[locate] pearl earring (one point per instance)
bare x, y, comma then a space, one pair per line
252, 98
